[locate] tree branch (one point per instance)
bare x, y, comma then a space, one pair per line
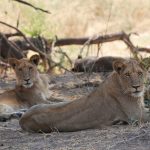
33, 47
102, 39
30, 5
26, 39
8, 35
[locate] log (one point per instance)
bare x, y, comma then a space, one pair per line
92, 40
102, 39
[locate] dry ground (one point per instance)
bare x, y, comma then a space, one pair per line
77, 19
66, 87
114, 138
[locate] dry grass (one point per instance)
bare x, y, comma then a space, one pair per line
82, 18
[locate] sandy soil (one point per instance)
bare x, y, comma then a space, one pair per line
71, 87
113, 138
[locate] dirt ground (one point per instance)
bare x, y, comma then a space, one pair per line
72, 87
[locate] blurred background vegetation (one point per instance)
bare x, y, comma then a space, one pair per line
82, 18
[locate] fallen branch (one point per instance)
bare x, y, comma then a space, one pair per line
30, 5
143, 49
91, 40
28, 44
102, 39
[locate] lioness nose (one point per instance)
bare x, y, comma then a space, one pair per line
135, 86
26, 80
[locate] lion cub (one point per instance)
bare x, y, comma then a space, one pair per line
31, 87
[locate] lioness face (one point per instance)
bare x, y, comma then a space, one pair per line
26, 71
131, 77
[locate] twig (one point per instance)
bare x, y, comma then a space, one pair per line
18, 21
8, 35
65, 54
98, 48
30, 5
59, 64
60, 51
86, 43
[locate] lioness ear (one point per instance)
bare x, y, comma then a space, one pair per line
35, 59
13, 62
119, 65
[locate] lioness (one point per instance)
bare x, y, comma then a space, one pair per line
31, 88
118, 98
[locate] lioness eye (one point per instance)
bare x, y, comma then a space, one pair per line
20, 69
30, 68
140, 73
127, 74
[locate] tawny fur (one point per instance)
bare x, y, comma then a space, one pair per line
115, 99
